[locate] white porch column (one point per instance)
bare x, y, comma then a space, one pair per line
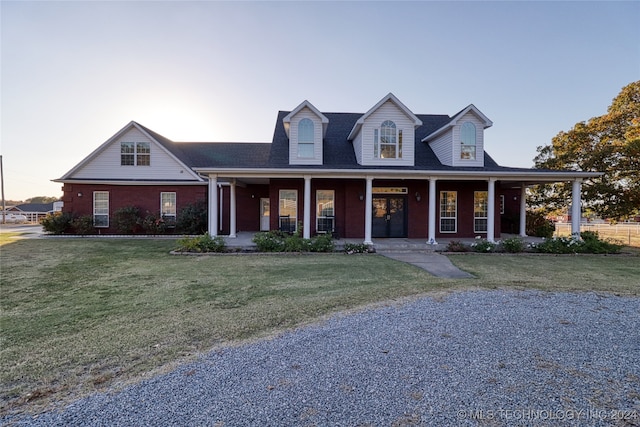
523, 210
491, 210
213, 205
432, 211
306, 224
576, 209
368, 200
232, 208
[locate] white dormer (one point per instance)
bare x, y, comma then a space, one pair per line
305, 127
461, 141
385, 135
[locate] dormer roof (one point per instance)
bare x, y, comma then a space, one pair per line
305, 104
392, 98
456, 117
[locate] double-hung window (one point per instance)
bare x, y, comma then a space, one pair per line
468, 141
448, 211
387, 141
101, 209
325, 211
480, 203
135, 154
305, 138
288, 210
168, 208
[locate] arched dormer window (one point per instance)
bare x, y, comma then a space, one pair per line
468, 141
387, 142
305, 138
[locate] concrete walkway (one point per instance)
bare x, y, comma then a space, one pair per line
435, 263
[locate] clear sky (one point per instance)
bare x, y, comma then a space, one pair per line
75, 73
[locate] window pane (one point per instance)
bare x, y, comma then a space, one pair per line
480, 201
101, 208
143, 154
468, 141
448, 211
288, 203
480, 209
376, 144
468, 152
168, 204
126, 154
305, 150
324, 202
305, 131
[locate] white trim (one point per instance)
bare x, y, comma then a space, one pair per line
480, 175
454, 121
390, 97
286, 121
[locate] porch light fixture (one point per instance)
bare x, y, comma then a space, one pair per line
361, 196
79, 194
418, 197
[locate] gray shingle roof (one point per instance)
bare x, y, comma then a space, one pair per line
338, 151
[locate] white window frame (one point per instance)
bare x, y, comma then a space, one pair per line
468, 141
292, 210
379, 134
324, 197
101, 209
480, 211
445, 214
140, 153
168, 207
306, 147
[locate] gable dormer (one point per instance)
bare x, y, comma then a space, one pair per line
461, 141
385, 135
305, 127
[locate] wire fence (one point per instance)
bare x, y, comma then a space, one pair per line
626, 232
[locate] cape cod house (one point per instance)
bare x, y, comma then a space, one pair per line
384, 173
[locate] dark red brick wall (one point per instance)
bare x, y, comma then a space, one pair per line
144, 197
465, 208
349, 208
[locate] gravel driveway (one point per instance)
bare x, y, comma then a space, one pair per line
487, 358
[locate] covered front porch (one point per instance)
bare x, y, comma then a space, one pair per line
355, 205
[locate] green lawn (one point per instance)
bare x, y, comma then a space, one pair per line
79, 315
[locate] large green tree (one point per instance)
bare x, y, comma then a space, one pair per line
609, 143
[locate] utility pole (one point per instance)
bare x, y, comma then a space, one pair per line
4, 213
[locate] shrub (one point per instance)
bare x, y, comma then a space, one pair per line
513, 245
192, 219
322, 243
357, 248
558, 245
153, 224
83, 225
539, 226
269, 241
57, 223
126, 219
296, 243
457, 246
483, 245
204, 243
592, 244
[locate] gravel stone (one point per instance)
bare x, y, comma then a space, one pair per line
474, 358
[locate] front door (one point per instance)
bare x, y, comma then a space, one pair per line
389, 216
